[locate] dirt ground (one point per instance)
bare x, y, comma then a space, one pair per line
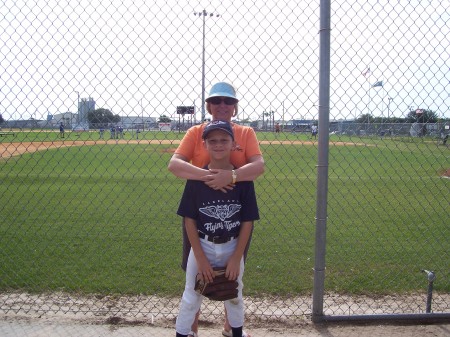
8, 150
45, 326
64, 314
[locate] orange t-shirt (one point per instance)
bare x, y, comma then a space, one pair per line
192, 148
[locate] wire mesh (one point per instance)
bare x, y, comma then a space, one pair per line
89, 120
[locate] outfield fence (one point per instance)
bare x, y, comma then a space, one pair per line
87, 219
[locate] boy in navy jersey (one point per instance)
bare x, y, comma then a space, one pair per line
218, 226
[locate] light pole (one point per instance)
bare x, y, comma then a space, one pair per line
142, 113
78, 107
389, 105
203, 14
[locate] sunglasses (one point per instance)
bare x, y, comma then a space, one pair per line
214, 142
226, 100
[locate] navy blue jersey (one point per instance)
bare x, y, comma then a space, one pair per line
218, 213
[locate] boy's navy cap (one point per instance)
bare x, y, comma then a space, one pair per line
218, 125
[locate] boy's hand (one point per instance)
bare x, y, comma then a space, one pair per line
233, 268
205, 271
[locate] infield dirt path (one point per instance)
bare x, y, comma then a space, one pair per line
8, 150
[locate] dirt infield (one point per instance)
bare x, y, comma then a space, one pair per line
8, 150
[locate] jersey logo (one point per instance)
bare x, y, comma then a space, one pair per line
221, 212
237, 148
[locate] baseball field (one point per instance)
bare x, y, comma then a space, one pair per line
89, 215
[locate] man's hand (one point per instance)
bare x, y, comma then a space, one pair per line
219, 179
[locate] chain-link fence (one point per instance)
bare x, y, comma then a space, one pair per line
90, 100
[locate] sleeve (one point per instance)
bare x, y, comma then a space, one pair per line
252, 148
249, 211
187, 207
188, 143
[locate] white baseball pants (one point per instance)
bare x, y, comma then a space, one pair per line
218, 255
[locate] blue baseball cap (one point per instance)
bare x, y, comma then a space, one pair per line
222, 89
218, 125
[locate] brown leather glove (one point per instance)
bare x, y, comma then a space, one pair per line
221, 289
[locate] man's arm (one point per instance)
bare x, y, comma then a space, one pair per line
252, 170
181, 168
220, 179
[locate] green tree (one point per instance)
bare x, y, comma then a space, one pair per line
102, 118
1, 119
267, 114
365, 118
245, 121
424, 116
164, 119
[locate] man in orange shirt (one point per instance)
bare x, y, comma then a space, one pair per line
190, 157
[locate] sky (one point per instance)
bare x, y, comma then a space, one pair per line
145, 57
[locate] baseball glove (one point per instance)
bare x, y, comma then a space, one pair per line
221, 289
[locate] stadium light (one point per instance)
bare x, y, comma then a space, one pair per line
203, 14
389, 107
78, 107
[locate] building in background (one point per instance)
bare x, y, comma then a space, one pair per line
138, 122
69, 119
85, 105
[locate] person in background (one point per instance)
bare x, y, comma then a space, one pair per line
61, 130
190, 158
277, 128
314, 131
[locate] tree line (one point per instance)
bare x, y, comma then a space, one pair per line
414, 116
104, 118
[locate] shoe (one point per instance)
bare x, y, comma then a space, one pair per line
226, 333
192, 334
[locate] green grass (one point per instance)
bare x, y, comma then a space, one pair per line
102, 219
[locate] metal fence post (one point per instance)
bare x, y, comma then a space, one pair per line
322, 167
431, 277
